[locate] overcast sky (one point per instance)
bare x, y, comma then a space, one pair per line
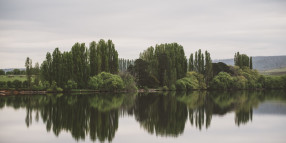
31, 28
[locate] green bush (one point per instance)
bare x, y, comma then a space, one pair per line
222, 81
180, 85
274, 82
70, 85
173, 87
189, 83
17, 84
54, 88
129, 82
165, 88
3, 85
9, 84
239, 82
197, 77
106, 82
25, 84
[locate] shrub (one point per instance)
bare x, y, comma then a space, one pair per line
25, 84
129, 82
54, 88
239, 82
180, 85
3, 85
273, 82
9, 84
222, 81
197, 77
188, 83
173, 87
165, 88
70, 85
106, 82
17, 84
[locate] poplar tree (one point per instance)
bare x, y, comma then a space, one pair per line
29, 68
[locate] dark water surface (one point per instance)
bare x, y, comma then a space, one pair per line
242, 116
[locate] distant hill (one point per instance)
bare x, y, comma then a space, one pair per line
261, 63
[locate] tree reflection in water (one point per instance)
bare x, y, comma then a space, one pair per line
93, 115
160, 114
163, 114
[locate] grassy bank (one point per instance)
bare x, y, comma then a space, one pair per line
275, 72
6, 78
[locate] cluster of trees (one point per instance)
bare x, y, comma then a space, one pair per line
246, 79
164, 65
16, 84
13, 72
80, 63
160, 66
242, 60
202, 64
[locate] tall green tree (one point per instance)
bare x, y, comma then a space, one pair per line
250, 63
80, 64
242, 60
93, 58
36, 72
57, 71
191, 62
29, 68
208, 67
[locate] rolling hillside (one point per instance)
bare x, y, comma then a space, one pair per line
262, 63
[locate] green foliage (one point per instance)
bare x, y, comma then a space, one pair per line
239, 82
70, 85
129, 81
201, 64
199, 78
54, 88
165, 88
9, 84
222, 81
106, 82
29, 68
274, 82
192, 81
166, 63
3, 85
173, 87
17, 84
80, 63
2, 72
242, 60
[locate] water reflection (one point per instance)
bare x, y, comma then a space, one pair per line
93, 115
160, 114
163, 114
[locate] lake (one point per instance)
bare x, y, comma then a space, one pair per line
241, 116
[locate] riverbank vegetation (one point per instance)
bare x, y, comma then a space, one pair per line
164, 67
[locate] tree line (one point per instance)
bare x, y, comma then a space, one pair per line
163, 66
13, 72
80, 63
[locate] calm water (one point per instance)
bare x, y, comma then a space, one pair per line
167, 117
